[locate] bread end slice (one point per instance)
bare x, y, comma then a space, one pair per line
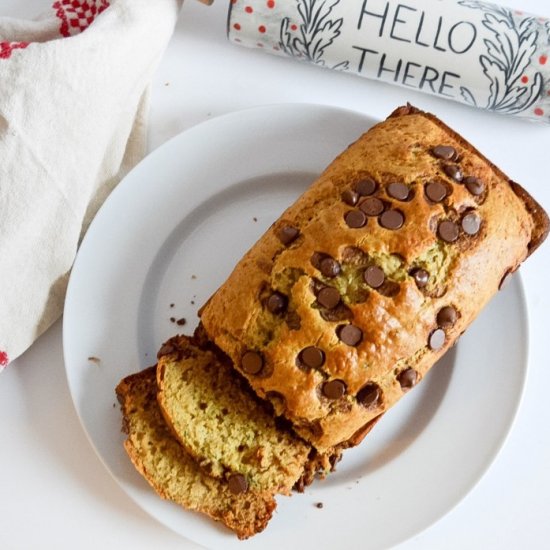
172, 473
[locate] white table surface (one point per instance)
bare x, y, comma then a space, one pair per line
54, 491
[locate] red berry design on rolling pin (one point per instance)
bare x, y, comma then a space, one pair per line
510, 51
3, 358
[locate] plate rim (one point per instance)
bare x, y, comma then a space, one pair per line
254, 111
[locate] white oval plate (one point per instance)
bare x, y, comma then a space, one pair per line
171, 233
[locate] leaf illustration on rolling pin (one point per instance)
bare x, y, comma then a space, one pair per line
510, 51
316, 32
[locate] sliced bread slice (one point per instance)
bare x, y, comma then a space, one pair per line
224, 426
172, 473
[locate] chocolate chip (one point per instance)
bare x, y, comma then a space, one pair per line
252, 362
315, 428
277, 303
474, 185
448, 231
237, 484
453, 171
354, 255
350, 334
334, 389
287, 234
435, 191
390, 289
328, 297
471, 223
374, 276
446, 317
398, 190
436, 339
369, 395
445, 152
355, 219
293, 320
329, 267
316, 259
372, 206
365, 187
181, 321
421, 277
316, 286
166, 349
392, 219
337, 314
350, 197
312, 357
505, 279
407, 379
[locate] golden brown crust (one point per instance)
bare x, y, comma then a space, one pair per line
542, 222
540, 217
398, 322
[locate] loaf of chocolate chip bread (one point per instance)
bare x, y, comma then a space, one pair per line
350, 297
229, 432
173, 473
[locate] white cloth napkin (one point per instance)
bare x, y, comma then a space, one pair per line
73, 101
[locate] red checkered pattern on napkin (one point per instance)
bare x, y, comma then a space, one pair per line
77, 15
59, 94
6, 48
